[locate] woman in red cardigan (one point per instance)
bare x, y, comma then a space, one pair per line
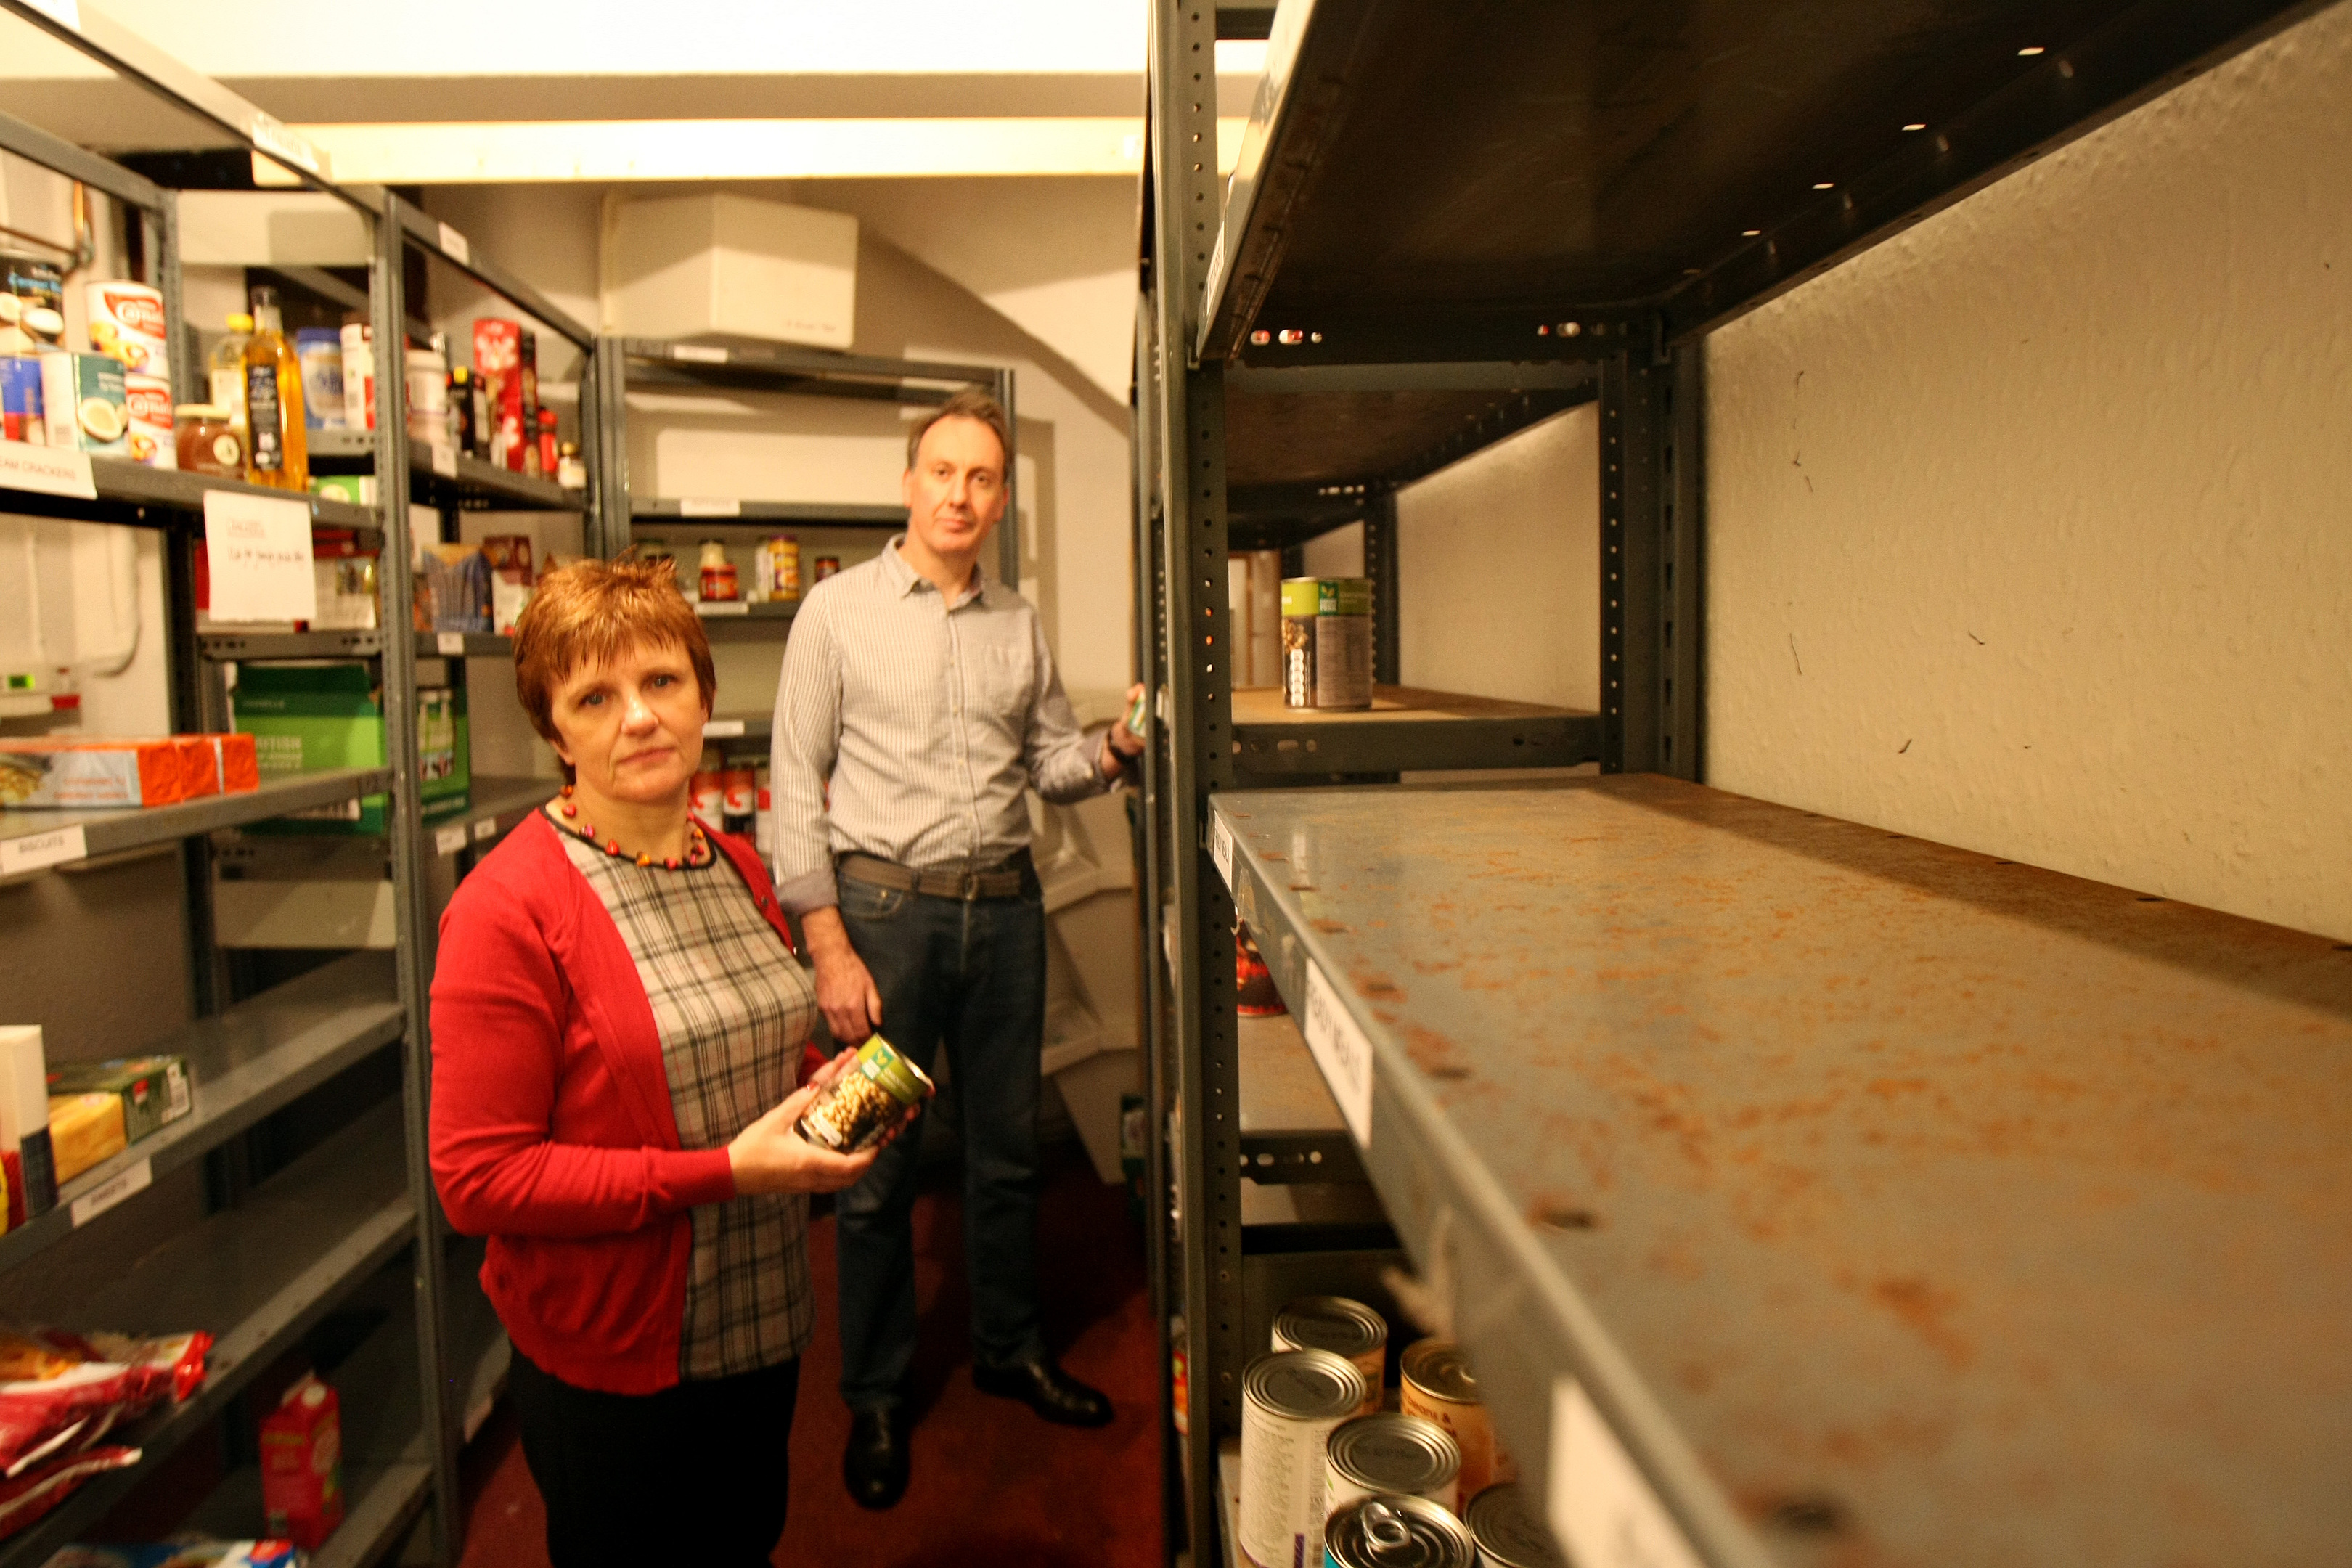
617, 1022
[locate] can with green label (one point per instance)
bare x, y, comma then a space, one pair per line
881, 1090
1326, 642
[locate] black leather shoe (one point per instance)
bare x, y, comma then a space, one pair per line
1046, 1389
874, 1466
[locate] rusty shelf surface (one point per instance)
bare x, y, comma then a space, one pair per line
1891, 1203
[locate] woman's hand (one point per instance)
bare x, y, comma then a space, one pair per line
770, 1156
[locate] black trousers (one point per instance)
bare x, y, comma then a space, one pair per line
698, 1473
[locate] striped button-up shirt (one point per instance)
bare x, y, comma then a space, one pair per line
910, 729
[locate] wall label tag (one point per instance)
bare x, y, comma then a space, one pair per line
450, 840
1597, 1500
47, 470
1220, 848
454, 246
57, 847
1341, 1049
112, 1190
722, 729
708, 506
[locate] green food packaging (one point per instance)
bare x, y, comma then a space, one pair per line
154, 1090
305, 717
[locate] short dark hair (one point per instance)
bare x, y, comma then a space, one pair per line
971, 402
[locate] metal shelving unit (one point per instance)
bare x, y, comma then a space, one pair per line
1379, 290
353, 1214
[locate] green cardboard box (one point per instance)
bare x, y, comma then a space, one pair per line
304, 717
153, 1089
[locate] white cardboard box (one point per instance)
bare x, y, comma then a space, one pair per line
717, 265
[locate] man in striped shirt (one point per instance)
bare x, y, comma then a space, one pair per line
918, 707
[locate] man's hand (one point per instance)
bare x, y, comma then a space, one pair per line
1119, 742
769, 1156
846, 993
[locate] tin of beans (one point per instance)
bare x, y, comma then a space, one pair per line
881, 1091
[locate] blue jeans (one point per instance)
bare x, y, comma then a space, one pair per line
970, 974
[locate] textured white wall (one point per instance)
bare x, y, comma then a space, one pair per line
1498, 564
2031, 529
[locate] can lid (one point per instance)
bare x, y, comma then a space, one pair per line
1305, 1386
1393, 1452
1333, 1323
1386, 1530
1440, 1368
1507, 1534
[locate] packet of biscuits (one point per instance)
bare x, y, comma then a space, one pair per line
881, 1091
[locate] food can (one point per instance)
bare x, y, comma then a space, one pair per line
739, 800
1439, 1387
359, 374
709, 788
1390, 1452
83, 402
20, 400
881, 1090
658, 550
718, 573
1507, 1534
428, 396
780, 566
827, 565
319, 351
1386, 1532
1349, 1330
31, 305
148, 430
1326, 642
1291, 1400
126, 324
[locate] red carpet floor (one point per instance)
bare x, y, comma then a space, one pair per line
993, 1484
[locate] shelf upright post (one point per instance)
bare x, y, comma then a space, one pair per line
1008, 532
1651, 530
608, 524
1381, 566
405, 841
1193, 542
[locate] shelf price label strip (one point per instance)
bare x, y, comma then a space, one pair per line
47, 470
34, 851
1341, 1049
1596, 1498
112, 1190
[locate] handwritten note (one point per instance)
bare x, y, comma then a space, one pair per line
260, 558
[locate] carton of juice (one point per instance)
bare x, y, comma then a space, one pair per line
302, 1465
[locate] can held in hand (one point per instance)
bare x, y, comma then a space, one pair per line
1349, 1330
1507, 1534
1386, 1532
881, 1090
1439, 1387
1291, 1400
1326, 642
1390, 1452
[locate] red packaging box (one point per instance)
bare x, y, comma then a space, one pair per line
302, 1465
200, 771
74, 772
498, 361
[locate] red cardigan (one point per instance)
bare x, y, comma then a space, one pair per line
552, 1131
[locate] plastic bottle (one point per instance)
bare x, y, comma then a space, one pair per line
277, 454
228, 373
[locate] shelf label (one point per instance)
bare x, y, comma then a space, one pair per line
704, 506
1597, 1501
697, 354
259, 551
445, 460
722, 729
1343, 1053
1220, 848
66, 11
454, 246
722, 608
449, 645
272, 135
112, 1190
47, 470
57, 847
450, 840
485, 828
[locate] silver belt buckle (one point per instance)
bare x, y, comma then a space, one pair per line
971, 884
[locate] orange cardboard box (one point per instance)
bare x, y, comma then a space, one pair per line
80, 773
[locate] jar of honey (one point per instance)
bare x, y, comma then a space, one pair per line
206, 442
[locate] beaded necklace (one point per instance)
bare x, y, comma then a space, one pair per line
698, 852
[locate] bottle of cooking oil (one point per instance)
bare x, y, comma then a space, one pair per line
276, 454
228, 373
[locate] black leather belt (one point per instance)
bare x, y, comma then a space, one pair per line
1007, 879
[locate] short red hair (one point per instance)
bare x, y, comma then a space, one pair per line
585, 614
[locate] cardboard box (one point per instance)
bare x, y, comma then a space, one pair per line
24, 1150
85, 773
240, 766
302, 1465
154, 1090
83, 1129
306, 717
723, 265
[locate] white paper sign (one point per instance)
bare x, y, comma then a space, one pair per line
485, 828
449, 645
450, 840
1597, 1501
445, 460
108, 1193
722, 608
260, 558
66, 11
45, 471
722, 729
454, 246
1220, 848
704, 506
271, 136
1341, 1049
57, 847
697, 353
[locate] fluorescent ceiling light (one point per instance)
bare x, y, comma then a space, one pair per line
535, 152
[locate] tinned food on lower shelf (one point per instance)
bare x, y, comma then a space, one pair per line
1349, 1330
1388, 1452
1439, 1386
1507, 1533
1326, 642
1291, 1400
1385, 1531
